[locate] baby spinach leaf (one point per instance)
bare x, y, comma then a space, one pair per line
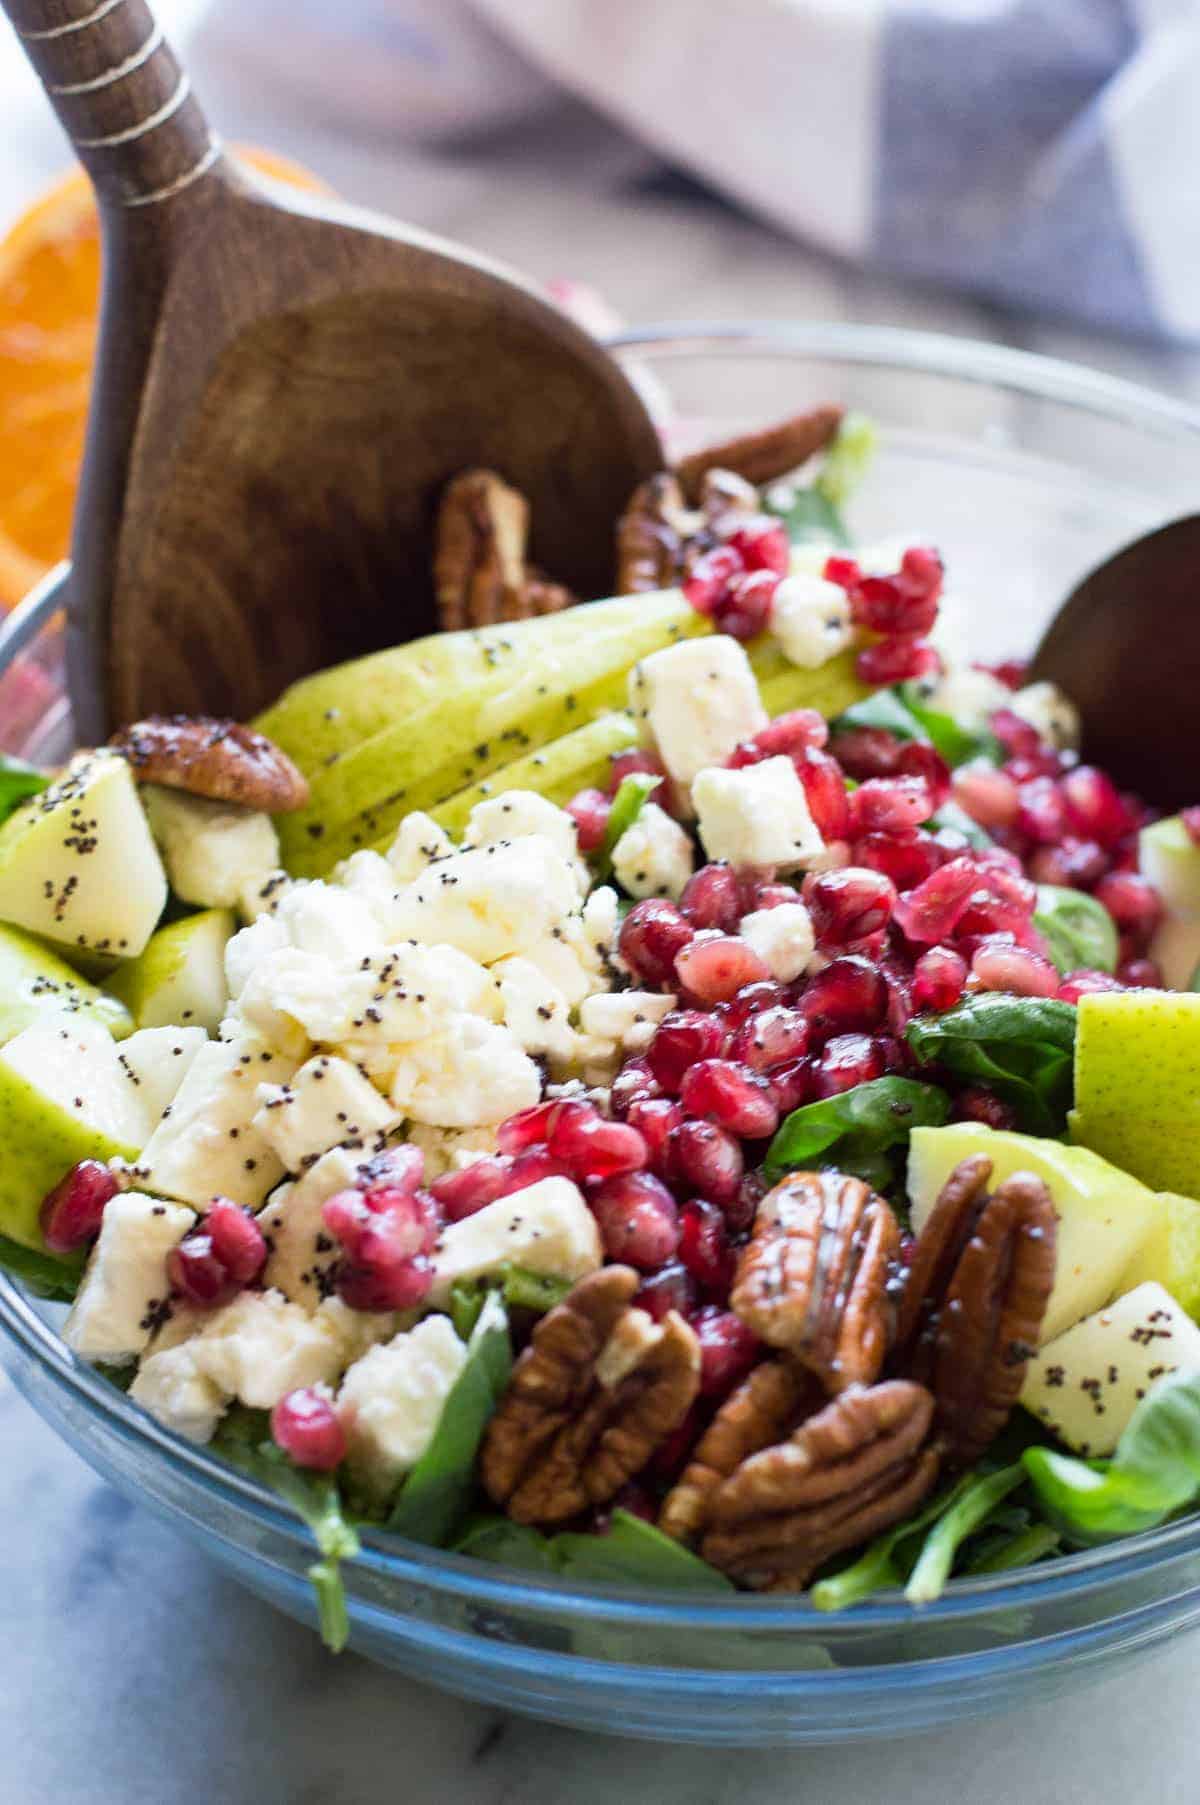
633, 1553
951, 815
1016, 1548
856, 1127
810, 518
631, 798
1079, 931
1020, 1047
508, 1544
18, 781
519, 1288
467, 1298
435, 1495
40, 1273
966, 1514
847, 459
1154, 1472
902, 711
878, 1568
884, 708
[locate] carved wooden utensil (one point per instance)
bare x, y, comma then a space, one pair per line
283, 384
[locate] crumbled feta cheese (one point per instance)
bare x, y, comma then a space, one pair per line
125, 1284
213, 851
1051, 712
547, 1227
465, 1073
654, 857
327, 1103
246, 949
178, 1395
391, 1402
782, 938
756, 816
602, 920
419, 842
536, 1012
628, 1017
207, 1146
568, 960
450, 1149
811, 620
694, 701
514, 815
490, 901
332, 920
369, 878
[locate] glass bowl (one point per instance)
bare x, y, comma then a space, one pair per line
1026, 472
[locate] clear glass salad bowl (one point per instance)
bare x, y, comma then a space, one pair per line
1025, 472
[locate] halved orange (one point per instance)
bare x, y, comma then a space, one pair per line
49, 297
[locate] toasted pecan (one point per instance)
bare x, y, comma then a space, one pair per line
598, 1389
765, 456
480, 536
220, 760
653, 535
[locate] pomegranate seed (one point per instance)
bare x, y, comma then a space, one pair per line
670, 1288
682, 1038
773, 896
652, 935
907, 859
898, 660
745, 608
848, 996
1081, 983
978, 1104
237, 1241
637, 1218
841, 570
383, 1287
634, 1083
1016, 970
847, 1060
732, 1096
706, 583
1045, 763
921, 760
1012, 672
671, 1455
713, 970
1074, 864
900, 1009
931, 912
710, 899
1003, 903
791, 1084
527, 1128
742, 1208
704, 1246
773, 1037
1134, 904
705, 1159
865, 752
197, 1275
635, 761
894, 1054
881, 605
761, 543
989, 797
938, 979
1041, 811
654, 1118
848, 905
461, 1194
799, 730
593, 1149
589, 810
728, 1349
386, 1234
531, 1167
751, 1001
1141, 974
825, 792
1017, 736
71, 1214
890, 805
306, 1426
1094, 807
1191, 821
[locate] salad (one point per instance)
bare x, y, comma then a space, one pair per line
697, 1089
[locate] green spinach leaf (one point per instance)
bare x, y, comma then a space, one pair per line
1079, 931
506, 1543
631, 798
951, 815
948, 736
853, 1130
1021, 1047
18, 781
966, 1514
1018, 1548
629, 1553
810, 517
519, 1288
878, 1568
884, 708
42, 1274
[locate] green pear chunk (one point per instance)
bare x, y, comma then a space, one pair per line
155, 1061
831, 689
78, 863
577, 761
35, 982
63, 1097
1171, 1256
1137, 1084
180, 977
1169, 858
1105, 1217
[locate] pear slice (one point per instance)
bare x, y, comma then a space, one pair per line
1137, 1084
155, 1062
1104, 1216
1172, 1254
1169, 858
180, 977
78, 863
63, 1097
35, 982
576, 761
1175, 949
831, 689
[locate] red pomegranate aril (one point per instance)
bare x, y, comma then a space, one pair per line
382, 1224
680, 1040
907, 859
899, 660
652, 936
850, 995
634, 1083
742, 1208
761, 543
1133, 902
1044, 763
1095, 810
751, 1001
704, 1246
847, 1060
307, 1427
1141, 974
799, 730
635, 761
1082, 983
713, 970
1041, 812
745, 608
865, 752
236, 1240
791, 1084
654, 1118
978, 1104
882, 605
848, 905
711, 898
532, 1167
774, 896
381, 1287
990, 797
196, 1274
705, 1160
671, 1455
728, 1349
732, 1096
1014, 970
1019, 738
825, 791
900, 1010
939, 977
593, 1149
589, 810
709, 577
1191, 822
1073, 864
1012, 672
844, 571
918, 759
670, 1288
637, 1218
931, 912
890, 805
526, 1129
461, 1194
771, 1038
72, 1213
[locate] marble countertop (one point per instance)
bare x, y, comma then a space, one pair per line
131, 1672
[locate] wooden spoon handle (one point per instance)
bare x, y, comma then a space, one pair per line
120, 94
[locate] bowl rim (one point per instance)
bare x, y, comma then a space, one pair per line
392, 1557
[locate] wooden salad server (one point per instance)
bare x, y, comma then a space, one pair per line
283, 385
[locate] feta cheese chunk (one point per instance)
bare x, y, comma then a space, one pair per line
299, 1249
654, 857
811, 620
514, 815
328, 1103
246, 950
601, 920
391, 1402
547, 1228
756, 816
490, 901
1050, 712
207, 1145
782, 937
969, 695
536, 1012
450, 1149
213, 851
469, 1072
177, 1394
418, 843
125, 1283
628, 1017
694, 701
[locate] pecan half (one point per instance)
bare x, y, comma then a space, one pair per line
814, 1277
479, 551
221, 760
594, 1394
974, 1298
855, 1468
764, 1409
762, 457
653, 536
